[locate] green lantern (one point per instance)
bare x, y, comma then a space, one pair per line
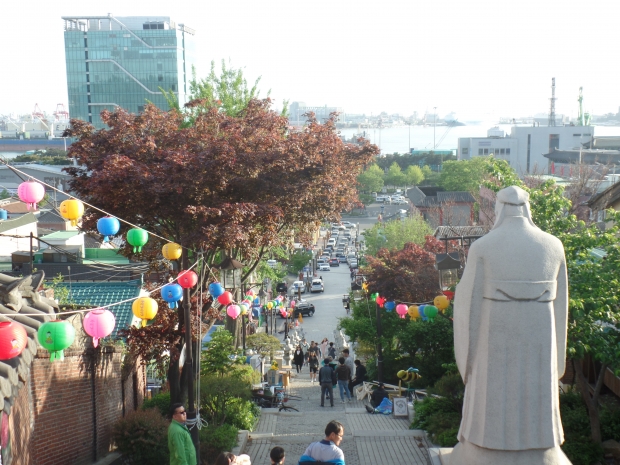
56, 336
137, 237
374, 296
430, 311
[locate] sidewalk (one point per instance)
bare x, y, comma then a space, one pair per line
368, 439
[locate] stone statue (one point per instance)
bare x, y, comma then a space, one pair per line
510, 319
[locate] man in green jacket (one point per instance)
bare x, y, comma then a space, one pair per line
182, 451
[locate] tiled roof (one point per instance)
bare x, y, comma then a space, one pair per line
7, 225
415, 195
51, 216
458, 196
19, 296
460, 231
100, 294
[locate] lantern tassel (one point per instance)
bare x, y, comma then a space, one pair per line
143, 322
57, 355
95, 342
106, 239
172, 305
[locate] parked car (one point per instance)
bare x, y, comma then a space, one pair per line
400, 202
380, 198
317, 286
297, 285
353, 264
272, 263
303, 307
334, 262
342, 259
324, 267
281, 287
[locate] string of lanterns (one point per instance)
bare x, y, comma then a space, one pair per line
424, 311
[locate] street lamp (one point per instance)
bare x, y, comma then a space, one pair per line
230, 277
448, 265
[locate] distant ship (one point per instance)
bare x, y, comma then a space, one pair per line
452, 120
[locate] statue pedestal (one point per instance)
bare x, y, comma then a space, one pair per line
440, 455
470, 454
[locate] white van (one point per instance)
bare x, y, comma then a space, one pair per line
317, 286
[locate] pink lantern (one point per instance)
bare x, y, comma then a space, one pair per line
283, 313
31, 192
187, 279
233, 311
225, 298
402, 309
13, 339
99, 323
293, 303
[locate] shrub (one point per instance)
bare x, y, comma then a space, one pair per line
160, 401
215, 440
142, 437
242, 414
440, 417
217, 393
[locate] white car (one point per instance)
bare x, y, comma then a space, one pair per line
400, 202
324, 267
298, 285
317, 286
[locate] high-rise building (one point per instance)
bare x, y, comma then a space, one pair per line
125, 62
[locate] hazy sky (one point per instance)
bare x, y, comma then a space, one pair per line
481, 59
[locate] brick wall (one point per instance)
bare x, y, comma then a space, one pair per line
56, 414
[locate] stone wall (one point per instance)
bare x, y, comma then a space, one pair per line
72, 406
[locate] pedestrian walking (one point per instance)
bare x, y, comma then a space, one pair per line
180, 445
314, 348
326, 450
313, 364
327, 379
344, 376
298, 358
305, 347
331, 352
324, 344
277, 456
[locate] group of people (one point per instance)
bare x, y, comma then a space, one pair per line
182, 451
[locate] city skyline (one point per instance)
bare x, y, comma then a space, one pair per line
472, 58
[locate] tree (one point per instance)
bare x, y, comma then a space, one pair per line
594, 313
413, 175
225, 185
395, 176
298, 260
263, 344
371, 179
395, 234
431, 178
220, 355
465, 175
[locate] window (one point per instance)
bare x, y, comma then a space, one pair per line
160, 77
507, 151
486, 151
140, 108
480, 152
576, 135
465, 151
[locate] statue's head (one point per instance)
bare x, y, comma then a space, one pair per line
512, 201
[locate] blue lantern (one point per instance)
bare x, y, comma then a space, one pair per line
216, 290
421, 311
172, 293
257, 301
390, 306
108, 226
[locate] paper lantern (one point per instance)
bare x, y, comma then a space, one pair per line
257, 301
187, 279
374, 297
421, 312
380, 301
144, 308
13, 339
413, 312
99, 323
283, 313
71, 210
243, 307
108, 226
430, 311
226, 298
441, 302
172, 251
216, 290
390, 306
56, 336
269, 305
233, 311
137, 238
251, 292
31, 193
401, 309
449, 294
172, 293
293, 303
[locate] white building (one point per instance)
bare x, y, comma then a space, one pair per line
526, 146
15, 235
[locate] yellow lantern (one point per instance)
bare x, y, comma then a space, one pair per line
365, 286
441, 302
144, 308
71, 210
413, 312
172, 251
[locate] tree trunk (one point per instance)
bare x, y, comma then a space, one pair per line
591, 400
174, 381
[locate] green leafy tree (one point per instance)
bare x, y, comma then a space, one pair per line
395, 176
413, 175
466, 175
299, 259
220, 356
264, 344
395, 234
371, 179
431, 178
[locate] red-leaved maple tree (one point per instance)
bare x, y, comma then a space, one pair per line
239, 185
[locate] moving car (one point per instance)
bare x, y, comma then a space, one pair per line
317, 285
334, 262
324, 267
342, 259
297, 285
303, 307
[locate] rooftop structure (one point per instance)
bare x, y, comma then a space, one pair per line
125, 62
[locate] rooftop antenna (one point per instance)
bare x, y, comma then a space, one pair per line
553, 99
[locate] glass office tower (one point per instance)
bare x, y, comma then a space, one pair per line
124, 62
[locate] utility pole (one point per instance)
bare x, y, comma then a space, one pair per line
379, 346
434, 126
552, 109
